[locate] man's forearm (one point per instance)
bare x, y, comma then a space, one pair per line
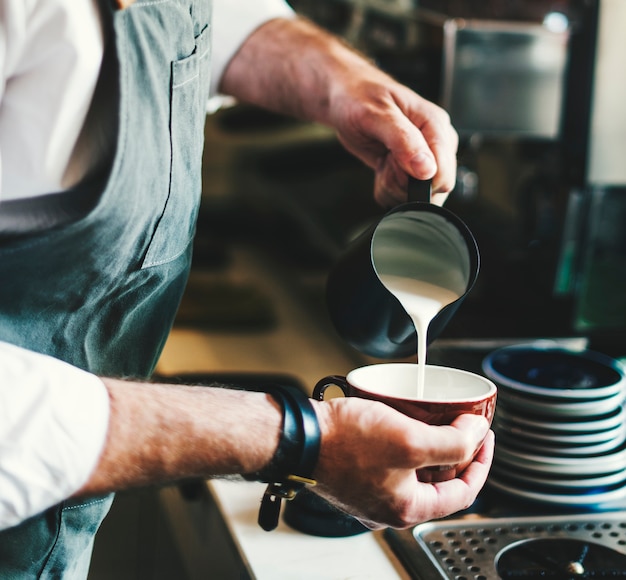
288, 65
159, 433
369, 451
294, 67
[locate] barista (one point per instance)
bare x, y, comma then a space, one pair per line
101, 122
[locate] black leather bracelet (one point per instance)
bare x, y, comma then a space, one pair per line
295, 459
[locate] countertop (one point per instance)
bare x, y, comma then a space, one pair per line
288, 554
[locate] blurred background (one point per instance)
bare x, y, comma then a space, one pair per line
535, 89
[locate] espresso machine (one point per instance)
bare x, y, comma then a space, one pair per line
543, 137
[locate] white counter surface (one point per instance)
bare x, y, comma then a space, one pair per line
288, 554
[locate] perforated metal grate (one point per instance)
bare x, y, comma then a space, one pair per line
468, 549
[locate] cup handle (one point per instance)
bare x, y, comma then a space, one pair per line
419, 190
330, 381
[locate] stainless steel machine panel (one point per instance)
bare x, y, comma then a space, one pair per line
504, 78
476, 547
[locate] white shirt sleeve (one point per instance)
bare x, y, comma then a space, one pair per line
53, 425
50, 55
233, 22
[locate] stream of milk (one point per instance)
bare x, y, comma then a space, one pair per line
422, 302
423, 260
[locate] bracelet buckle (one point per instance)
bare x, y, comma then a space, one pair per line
274, 494
297, 452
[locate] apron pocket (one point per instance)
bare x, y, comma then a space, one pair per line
176, 225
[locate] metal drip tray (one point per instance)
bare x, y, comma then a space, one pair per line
484, 548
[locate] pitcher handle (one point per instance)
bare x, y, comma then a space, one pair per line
419, 189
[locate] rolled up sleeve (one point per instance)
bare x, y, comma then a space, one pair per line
233, 22
53, 426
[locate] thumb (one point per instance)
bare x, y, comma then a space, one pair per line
455, 443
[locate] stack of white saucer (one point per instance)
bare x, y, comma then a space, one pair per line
561, 425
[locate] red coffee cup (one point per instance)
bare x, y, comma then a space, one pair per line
448, 393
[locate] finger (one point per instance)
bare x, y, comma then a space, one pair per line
410, 148
436, 500
443, 141
428, 501
390, 183
439, 198
476, 472
450, 444
471, 422
396, 134
485, 455
426, 152
426, 143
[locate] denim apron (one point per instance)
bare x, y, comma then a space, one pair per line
101, 291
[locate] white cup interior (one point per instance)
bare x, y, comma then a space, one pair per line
441, 383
